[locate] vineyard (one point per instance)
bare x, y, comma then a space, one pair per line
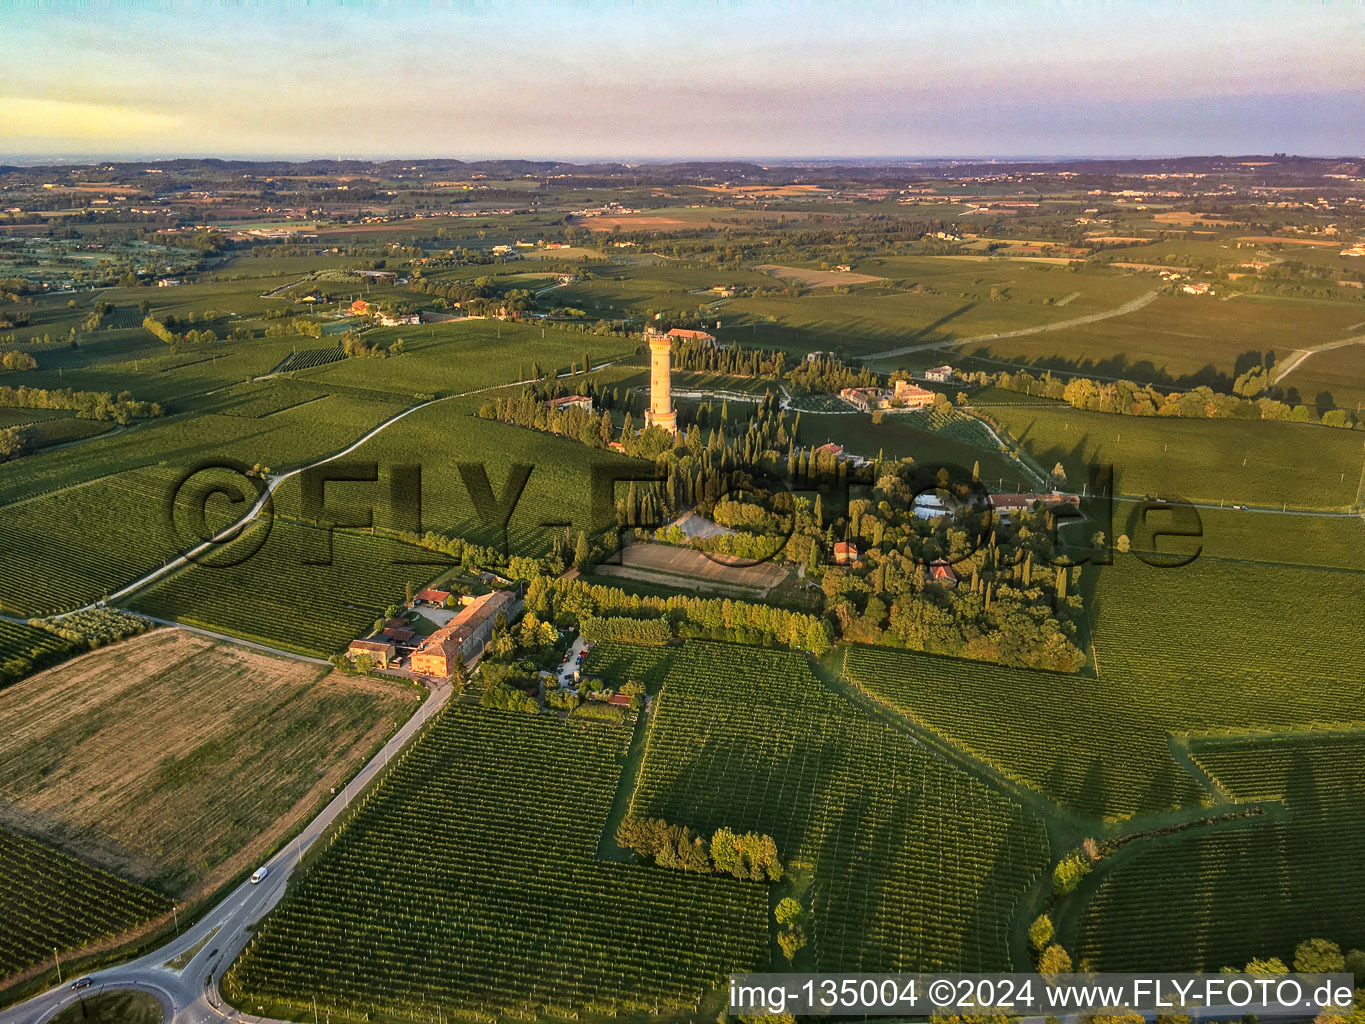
468, 881
559, 489
24, 648
51, 900
309, 357
1100, 744
1200, 460
253, 401
1252, 890
276, 596
913, 863
68, 549
456, 357
97, 518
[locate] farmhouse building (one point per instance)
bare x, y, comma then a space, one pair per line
941, 572
683, 335
905, 396
845, 553
1006, 505
939, 374
359, 307
462, 638
567, 402
865, 399
380, 652
378, 276
910, 396
434, 598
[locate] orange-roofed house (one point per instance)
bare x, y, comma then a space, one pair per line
941, 572
359, 307
845, 553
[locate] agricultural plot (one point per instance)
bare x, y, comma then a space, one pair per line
937, 301
119, 757
51, 901
915, 436
69, 545
1266, 538
1255, 889
469, 883
307, 358
24, 648
266, 398
1233, 461
1180, 339
152, 371
559, 489
910, 864
1331, 379
296, 591
460, 356
1212, 646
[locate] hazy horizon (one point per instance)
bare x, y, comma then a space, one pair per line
796, 81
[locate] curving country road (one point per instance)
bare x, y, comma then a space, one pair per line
191, 994
228, 532
1128, 307
1297, 357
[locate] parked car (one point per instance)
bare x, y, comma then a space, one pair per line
258, 875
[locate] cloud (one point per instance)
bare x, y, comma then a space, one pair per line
26, 118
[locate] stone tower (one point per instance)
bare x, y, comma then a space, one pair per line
660, 412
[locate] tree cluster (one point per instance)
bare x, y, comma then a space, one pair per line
749, 856
90, 405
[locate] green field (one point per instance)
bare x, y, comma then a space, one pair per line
1252, 889
24, 648
904, 862
1233, 461
93, 519
1276, 648
1332, 379
453, 358
471, 881
925, 437
51, 900
277, 597
1181, 339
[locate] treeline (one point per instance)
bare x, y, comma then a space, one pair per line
480, 297
1126, 398
89, 405
696, 617
822, 375
95, 627
748, 856
626, 630
825, 375
14, 442
18, 361
708, 357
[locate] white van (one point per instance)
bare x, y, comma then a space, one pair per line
258, 876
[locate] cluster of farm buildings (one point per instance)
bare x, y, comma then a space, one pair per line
461, 639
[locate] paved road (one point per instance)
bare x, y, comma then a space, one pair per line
1061, 325
191, 994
